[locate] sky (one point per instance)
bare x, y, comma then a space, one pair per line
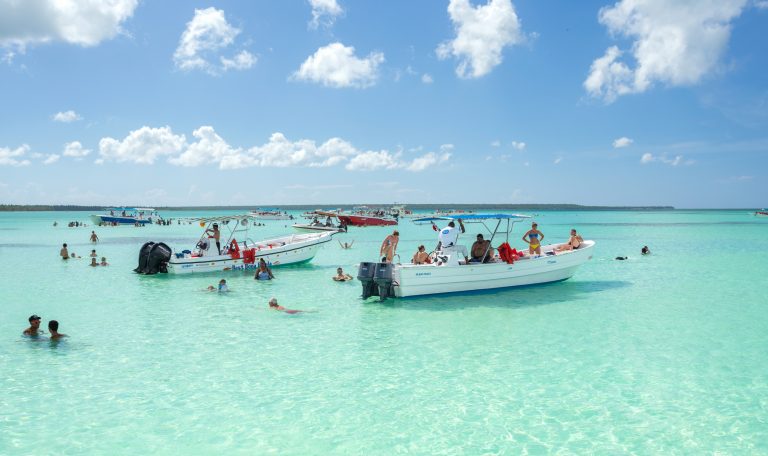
269, 103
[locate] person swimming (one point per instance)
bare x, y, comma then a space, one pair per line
645, 250
273, 305
263, 273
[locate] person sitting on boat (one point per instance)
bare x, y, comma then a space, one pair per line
574, 242
263, 273
328, 221
389, 247
448, 238
421, 256
482, 252
216, 235
534, 239
341, 276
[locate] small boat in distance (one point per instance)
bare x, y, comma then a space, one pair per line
233, 255
761, 213
448, 272
270, 214
126, 216
316, 225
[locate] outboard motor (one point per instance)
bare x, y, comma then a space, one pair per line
157, 259
365, 274
384, 278
143, 255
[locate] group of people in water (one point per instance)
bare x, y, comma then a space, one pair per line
35, 331
481, 252
67, 255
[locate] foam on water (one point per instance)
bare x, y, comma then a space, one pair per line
664, 354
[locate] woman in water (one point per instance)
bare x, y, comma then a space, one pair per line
263, 273
534, 239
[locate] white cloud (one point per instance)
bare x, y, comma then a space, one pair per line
66, 116
427, 79
324, 12
75, 149
142, 146
677, 160
84, 23
371, 160
14, 157
622, 142
558, 160
496, 143
426, 161
210, 148
482, 33
206, 36
337, 66
761, 4
52, 158
676, 43
519, 145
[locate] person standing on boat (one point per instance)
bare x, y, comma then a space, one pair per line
389, 246
448, 238
534, 239
216, 235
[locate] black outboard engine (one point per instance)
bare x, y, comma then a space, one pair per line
143, 255
157, 259
365, 274
384, 279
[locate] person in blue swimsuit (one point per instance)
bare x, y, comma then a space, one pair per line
263, 273
534, 239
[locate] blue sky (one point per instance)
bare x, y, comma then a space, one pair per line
637, 102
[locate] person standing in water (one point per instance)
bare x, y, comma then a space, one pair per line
34, 326
53, 328
64, 252
94, 238
534, 239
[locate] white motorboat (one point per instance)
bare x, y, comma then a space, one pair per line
233, 254
449, 272
271, 214
316, 225
761, 213
126, 216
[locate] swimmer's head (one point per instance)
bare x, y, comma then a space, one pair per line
53, 325
222, 282
34, 318
273, 302
339, 270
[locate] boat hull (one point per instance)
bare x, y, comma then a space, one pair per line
362, 220
418, 280
297, 250
305, 228
111, 219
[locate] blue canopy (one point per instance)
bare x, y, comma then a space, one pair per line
467, 217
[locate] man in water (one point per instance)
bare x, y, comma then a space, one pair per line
53, 328
103, 262
645, 250
389, 246
448, 238
482, 252
273, 305
347, 245
94, 238
223, 288
341, 276
94, 262
34, 326
216, 235
93, 253
64, 252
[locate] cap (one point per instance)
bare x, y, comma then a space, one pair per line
34, 317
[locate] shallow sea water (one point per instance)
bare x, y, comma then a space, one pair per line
664, 354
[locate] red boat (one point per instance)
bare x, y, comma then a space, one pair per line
365, 220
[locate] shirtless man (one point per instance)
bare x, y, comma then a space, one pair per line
421, 256
64, 252
479, 248
53, 328
34, 326
94, 238
341, 276
389, 246
216, 235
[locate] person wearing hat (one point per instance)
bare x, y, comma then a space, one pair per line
34, 326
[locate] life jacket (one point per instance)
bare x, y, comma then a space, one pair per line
234, 250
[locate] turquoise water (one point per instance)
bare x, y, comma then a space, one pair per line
665, 354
